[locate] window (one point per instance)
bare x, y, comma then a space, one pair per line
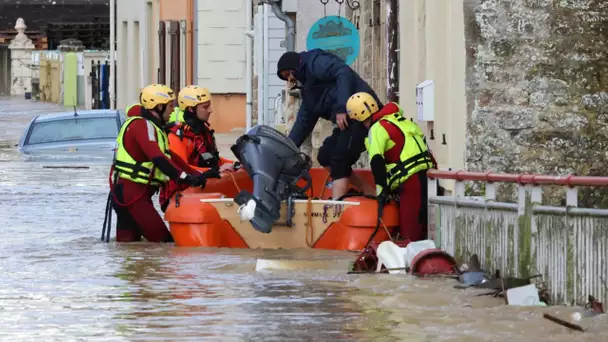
73, 129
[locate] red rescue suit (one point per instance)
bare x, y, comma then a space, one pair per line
413, 193
132, 201
195, 144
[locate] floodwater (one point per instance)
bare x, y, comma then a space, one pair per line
58, 282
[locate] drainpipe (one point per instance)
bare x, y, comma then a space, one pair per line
291, 27
249, 65
263, 115
183, 42
195, 42
112, 79
393, 51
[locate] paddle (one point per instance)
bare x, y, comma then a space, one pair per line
107, 220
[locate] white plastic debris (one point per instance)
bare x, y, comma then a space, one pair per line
396, 258
391, 256
286, 265
415, 248
523, 296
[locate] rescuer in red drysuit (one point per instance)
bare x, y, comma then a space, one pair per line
399, 158
142, 164
136, 110
193, 139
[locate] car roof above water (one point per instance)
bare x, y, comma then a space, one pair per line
95, 113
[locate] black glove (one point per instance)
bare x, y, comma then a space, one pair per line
185, 178
382, 199
201, 180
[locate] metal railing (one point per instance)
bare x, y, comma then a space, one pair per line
567, 245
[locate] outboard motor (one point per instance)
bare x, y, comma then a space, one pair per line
275, 165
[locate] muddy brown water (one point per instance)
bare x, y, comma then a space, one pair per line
58, 282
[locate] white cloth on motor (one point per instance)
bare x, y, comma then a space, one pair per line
247, 211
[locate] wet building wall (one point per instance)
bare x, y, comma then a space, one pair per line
371, 62
433, 35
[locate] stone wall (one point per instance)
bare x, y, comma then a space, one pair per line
537, 85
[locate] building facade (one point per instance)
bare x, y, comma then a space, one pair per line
183, 42
175, 44
135, 48
432, 36
220, 56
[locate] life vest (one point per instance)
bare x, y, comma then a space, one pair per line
414, 156
139, 172
205, 152
177, 115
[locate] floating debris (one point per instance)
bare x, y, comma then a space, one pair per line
472, 274
523, 296
564, 323
593, 307
65, 167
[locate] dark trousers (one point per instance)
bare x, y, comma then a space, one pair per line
341, 150
140, 217
413, 207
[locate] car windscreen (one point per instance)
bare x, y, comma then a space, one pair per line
73, 129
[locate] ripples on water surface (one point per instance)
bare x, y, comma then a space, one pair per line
60, 283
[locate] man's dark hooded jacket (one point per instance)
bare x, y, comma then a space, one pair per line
327, 83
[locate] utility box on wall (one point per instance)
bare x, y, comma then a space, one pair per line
425, 101
289, 6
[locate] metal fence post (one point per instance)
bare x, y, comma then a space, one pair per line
527, 231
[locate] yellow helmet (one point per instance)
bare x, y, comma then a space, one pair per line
191, 96
361, 106
156, 94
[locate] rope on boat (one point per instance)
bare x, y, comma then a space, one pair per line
236, 185
324, 186
309, 229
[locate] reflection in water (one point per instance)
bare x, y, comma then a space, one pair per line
303, 310
58, 282
157, 294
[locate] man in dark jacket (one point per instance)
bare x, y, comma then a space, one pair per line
327, 82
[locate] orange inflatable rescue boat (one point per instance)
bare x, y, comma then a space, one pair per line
276, 200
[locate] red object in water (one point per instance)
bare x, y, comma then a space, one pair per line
367, 261
433, 262
595, 306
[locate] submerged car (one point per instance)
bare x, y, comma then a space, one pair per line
91, 132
